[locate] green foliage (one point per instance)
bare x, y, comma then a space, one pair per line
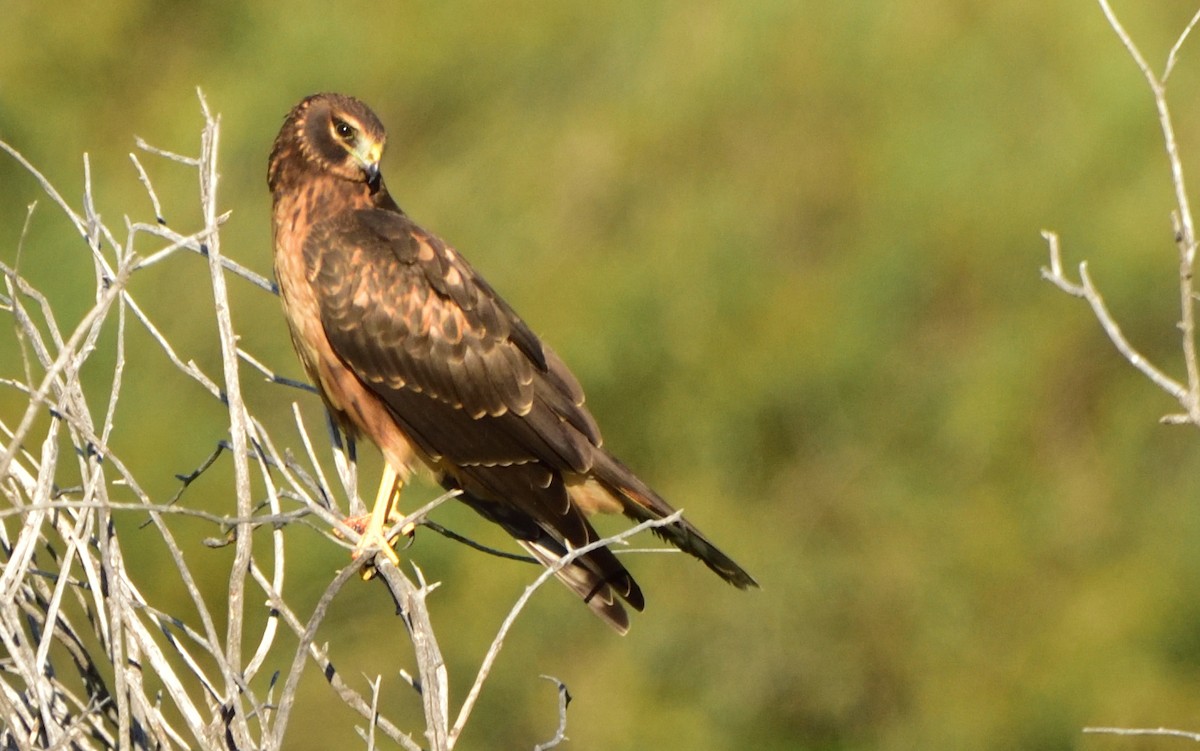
791, 251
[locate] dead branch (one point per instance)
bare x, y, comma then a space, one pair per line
71, 608
1183, 227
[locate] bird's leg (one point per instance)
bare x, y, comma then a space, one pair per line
381, 513
372, 535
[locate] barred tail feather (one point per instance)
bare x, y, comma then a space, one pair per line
582, 577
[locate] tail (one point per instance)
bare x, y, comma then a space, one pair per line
640, 503
585, 577
597, 576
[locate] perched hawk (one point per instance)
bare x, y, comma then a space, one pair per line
411, 348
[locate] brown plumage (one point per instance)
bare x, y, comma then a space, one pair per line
411, 348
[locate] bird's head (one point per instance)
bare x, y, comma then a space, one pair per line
333, 134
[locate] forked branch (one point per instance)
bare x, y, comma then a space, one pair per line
93, 662
1183, 226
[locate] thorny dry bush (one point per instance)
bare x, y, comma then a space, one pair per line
1187, 394
90, 662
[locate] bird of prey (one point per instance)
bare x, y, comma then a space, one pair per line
411, 348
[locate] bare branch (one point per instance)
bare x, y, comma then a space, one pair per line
306, 640
188, 160
560, 733
1173, 55
139, 674
434, 681
1188, 395
1087, 290
320, 657
145, 179
493, 652
238, 421
1145, 731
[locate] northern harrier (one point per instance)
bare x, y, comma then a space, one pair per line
411, 348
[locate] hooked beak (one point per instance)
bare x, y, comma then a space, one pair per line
369, 159
372, 171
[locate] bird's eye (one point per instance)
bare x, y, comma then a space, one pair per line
343, 129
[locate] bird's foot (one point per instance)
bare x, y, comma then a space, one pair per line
373, 538
360, 524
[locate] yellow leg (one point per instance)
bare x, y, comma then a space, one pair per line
385, 502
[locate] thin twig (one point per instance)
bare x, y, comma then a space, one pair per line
145, 179
1187, 242
306, 640
493, 652
1183, 227
238, 421
560, 733
319, 655
1145, 731
433, 678
1085, 289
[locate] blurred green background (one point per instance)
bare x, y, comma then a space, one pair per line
791, 249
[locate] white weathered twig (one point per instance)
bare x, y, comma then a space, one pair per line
1187, 394
156, 675
464, 713
1145, 731
1086, 289
560, 733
